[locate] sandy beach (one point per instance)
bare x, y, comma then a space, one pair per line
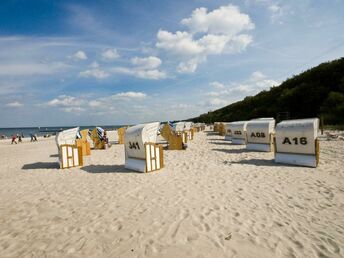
211, 200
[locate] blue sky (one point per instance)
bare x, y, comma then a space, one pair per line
119, 62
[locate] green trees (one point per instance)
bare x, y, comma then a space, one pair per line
313, 93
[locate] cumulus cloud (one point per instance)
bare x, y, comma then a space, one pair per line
188, 66
223, 30
14, 104
65, 101
79, 104
79, 55
95, 73
139, 73
227, 20
181, 43
144, 68
226, 94
110, 54
150, 62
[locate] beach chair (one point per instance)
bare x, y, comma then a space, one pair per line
84, 142
70, 155
141, 151
238, 130
175, 141
179, 128
97, 136
216, 126
222, 129
228, 131
188, 128
260, 133
296, 142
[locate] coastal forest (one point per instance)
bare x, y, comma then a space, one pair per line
317, 92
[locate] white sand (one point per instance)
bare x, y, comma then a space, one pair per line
212, 200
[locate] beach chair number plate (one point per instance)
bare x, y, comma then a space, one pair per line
134, 145
259, 135
237, 132
296, 141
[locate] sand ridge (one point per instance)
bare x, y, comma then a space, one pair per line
211, 200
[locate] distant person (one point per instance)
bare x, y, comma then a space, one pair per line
19, 138
33, 137
14, 138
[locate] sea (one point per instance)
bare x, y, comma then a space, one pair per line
41, 131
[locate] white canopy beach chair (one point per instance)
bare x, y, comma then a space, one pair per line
296, 142
260, 133
69, 154
141, 151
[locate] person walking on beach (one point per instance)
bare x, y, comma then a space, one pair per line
14, 137
19, 138
33, 137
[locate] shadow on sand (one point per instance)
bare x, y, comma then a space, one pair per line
234, 151
212, 133
107, 169
221, 142
54, 156
260, 162
42, 165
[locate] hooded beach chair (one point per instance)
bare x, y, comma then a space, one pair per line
141, 151
70, 155
175, 141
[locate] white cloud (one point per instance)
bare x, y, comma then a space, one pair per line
129, 95
220, 31
27, 69
180, 43
151, 62
94, 64
226, 94
143, 74
65, 101
96, 73
217, 102
14, 104
110, 54
79, 55
217, 85
226, 20
144, 68
188, 67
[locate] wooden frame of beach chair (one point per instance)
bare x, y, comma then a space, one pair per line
121, 135
296, 142
175, 141
70, 156
83, 143
221, 129
154, 157
216, 126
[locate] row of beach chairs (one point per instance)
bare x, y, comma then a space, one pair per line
142, 151
293, 142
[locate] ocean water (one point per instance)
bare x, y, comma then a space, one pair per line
40, 131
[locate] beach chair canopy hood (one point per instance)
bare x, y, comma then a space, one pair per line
67, 136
